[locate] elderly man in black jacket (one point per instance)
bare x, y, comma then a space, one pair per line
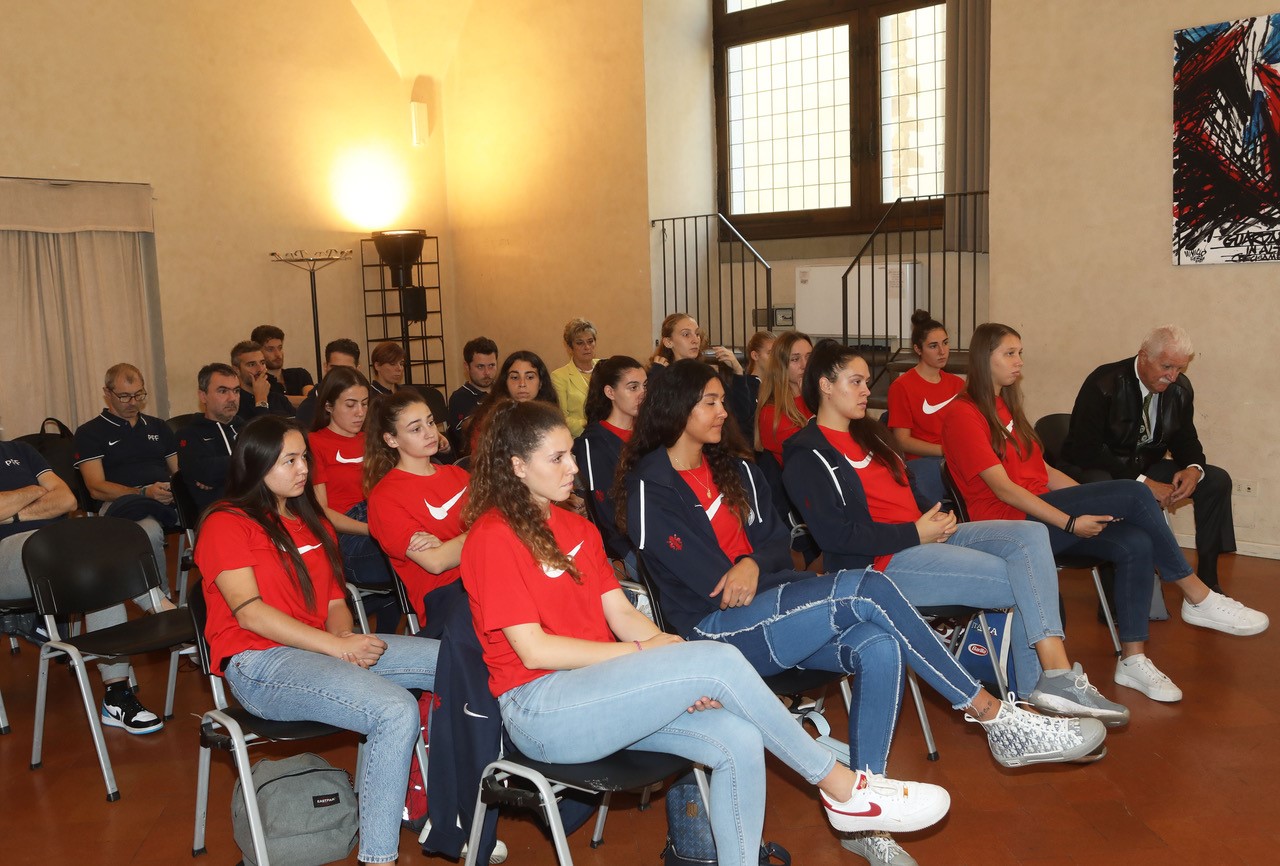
1135, 419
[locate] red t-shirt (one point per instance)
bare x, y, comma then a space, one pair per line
967, 447
730, 534
624, 435
228, 541
507, 587
338, 463
887, 500
917, 405
771, 440
403, 503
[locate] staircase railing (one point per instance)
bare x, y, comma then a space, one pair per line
712, 273
927, 252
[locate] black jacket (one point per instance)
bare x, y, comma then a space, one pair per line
204, 457
669, 527
1106, 423
830, 497
597, 451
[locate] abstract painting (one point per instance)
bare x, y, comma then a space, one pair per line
1226, 142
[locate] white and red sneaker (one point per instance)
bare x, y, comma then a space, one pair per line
880, 803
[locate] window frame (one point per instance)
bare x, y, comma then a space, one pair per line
796, 16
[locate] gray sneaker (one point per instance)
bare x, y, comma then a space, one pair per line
1018, 737
1069, 693
878, 848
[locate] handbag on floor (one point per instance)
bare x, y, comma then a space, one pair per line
973, 651
689, 841
308, 810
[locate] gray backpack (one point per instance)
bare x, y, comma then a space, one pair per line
308, 809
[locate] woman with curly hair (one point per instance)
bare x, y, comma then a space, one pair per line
701, 518
580, 674
280, 632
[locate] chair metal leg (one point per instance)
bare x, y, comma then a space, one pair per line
202, 799
1106, 609
597, 836
14, 646
998, 660
357, 602
4, 717
42, 690
931, 747
81, 671
477, 821
173, 682
240, 754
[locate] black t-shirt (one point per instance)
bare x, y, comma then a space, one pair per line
131, 455
294, 380
277, 404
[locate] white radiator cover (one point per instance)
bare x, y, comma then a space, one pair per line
819, 293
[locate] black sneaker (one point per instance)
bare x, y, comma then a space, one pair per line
122, 709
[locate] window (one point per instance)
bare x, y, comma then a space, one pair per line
827, 111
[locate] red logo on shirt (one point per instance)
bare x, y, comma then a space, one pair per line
182, 443
674, 542
599, 496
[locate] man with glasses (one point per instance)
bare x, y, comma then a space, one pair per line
126, 458
204, 447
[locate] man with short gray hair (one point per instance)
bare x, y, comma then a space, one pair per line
1135, 419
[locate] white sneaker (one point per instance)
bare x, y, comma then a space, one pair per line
878, 848
499, 854
1225, 614
880, 803
1138, 672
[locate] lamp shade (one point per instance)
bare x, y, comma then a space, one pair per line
399, 251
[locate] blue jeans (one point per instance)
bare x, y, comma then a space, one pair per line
1142, 543
990, 564
853, 622
289, 684
640, 701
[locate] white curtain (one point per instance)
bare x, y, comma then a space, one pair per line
968, 124
78, 284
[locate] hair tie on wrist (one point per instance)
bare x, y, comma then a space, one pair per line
1070, 528
639, 646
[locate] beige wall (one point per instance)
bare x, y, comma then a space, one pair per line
238, 114
544, 125
1081, 186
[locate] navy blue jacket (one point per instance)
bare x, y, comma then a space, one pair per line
829, 495
597, 451
668, 525
204, 457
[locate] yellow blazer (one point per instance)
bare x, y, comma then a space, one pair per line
571, 391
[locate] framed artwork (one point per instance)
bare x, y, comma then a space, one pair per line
1226, 142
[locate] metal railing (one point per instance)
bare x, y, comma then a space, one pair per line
927, 252
710, 272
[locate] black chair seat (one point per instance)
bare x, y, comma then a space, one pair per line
277, 731
795, 681
621, 771
153, 632
1068, 560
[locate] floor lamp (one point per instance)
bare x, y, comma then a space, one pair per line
311, 263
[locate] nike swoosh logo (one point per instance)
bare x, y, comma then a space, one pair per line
466, 711
930, 408
715, 507
337, 455
440, 512
556, 572
113, 443
872, 811
861, 464
307, 548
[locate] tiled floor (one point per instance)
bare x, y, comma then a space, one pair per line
1185, 783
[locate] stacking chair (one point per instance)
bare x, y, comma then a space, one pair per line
188, 520
76, 566
1091, 563
178, 423
234, 730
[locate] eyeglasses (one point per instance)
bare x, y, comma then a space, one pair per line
136, 397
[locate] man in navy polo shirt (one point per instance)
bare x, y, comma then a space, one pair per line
204, 447
31, 496
126, 458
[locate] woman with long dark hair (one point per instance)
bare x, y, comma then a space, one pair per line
852, 488
280, 632
336, 443
523, 376
580, 674
618, 388
415, 506
916, 401
782, 410
701, 518
995, 457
